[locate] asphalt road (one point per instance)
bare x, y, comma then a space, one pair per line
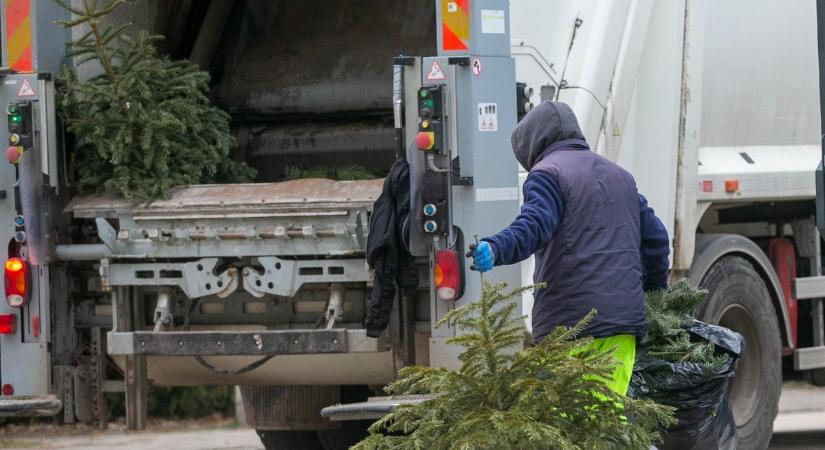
801, 421
800, 426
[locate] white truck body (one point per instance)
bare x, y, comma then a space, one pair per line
677, 106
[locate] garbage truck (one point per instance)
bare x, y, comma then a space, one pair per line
713, 108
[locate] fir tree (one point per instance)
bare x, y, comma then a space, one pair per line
543, 397
143, 123
668, 312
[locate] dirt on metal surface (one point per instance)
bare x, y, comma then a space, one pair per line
306, 193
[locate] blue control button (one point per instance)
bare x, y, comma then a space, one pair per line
430, 210
19, 221
430, 226
20, 236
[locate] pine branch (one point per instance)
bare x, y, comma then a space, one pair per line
545, 397
668, 313
143, 124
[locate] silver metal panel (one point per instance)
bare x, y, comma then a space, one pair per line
24, 358
47, 405
491, 203
48, 51
809, 287
419, 241
484, 39
196, 279
284, 278
809, 358
231, 343
373, 408
764, 172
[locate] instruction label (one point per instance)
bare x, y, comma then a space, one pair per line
496, 194
487, 117
492, 21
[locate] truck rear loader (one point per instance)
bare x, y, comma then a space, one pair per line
712, 107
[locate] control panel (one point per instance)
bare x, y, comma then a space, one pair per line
431, 140
20, 129
430, 137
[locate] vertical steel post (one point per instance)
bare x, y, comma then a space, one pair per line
126, 314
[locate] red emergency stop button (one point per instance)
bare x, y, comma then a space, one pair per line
13, 154
425, 140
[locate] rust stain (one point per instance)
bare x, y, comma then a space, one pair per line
300, 193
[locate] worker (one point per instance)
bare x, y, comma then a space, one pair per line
597, 243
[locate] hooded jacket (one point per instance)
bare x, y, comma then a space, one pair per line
597, 244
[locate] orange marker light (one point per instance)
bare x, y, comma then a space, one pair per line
731, 186
15, 279
14, 265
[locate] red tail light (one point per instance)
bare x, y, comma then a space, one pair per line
447, 275
7, 323
15, 280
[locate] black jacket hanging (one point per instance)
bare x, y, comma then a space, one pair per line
387, 253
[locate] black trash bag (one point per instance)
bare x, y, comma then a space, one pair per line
699, 394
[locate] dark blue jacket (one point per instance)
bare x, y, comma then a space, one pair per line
593, 268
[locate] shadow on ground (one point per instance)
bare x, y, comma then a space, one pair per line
814, 440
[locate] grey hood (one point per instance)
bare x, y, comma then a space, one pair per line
547, 124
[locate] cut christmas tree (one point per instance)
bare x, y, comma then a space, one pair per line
669, 312
542, 397
142, 123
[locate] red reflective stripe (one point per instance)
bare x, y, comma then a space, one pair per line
464, 5
16, 12
18, 26
24, 63
450, 41
36, 326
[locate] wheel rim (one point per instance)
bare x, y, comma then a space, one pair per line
744, 390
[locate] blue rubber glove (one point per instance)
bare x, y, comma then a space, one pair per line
482, 255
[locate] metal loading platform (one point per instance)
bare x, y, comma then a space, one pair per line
231, 244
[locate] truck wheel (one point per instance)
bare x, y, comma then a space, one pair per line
348, 435
815, 376
739, 300
289, 440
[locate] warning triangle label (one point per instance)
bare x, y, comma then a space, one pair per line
435, 72
26, 89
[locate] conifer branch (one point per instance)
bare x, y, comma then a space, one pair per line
144, 124
544, 397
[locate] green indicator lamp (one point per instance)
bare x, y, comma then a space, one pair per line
16, 118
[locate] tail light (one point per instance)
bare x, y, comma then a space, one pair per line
447, 275
7, 323
15, 280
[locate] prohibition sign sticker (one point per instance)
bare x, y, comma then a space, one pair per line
475, 64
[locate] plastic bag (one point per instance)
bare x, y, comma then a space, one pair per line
699, 394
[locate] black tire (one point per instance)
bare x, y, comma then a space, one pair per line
739, 300
348, 435
815, 376
289, 440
